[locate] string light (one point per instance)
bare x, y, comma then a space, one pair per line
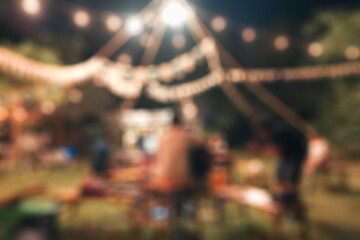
218, 24
14, 63
315, 49
31, 7
81, 18
128, 81
174, 14
134, 25
184, 91
293, 74
113, 23
281, 43
4, 114
248, 34
352, 52
179, 41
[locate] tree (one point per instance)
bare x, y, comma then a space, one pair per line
339, 112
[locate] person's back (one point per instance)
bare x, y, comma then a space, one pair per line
172, 173
172, 160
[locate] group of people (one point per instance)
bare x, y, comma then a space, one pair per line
183, 160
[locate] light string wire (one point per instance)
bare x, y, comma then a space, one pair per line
270, 99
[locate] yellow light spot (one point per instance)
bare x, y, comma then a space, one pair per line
281, 43
81, 18
315, 49
218, 24
352, 52
113, 23
31, 7
248, 34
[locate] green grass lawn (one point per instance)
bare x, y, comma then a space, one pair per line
333, 214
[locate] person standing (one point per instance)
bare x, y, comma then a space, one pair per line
172, 160
171, 173
291, 149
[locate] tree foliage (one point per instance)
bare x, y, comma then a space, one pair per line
339, 111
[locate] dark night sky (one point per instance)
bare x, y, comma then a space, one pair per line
257, 13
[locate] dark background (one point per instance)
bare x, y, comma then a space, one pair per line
270, 15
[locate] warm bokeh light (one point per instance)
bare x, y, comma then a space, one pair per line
19, 114
48, 107
125, 58
179, 41
174, 14
255, 167
352, 52
4, 114
134, 25
113, 23
315, 49
75, 96
248, 34
281, 43
31, 7
218, 24
81, 18
257, 197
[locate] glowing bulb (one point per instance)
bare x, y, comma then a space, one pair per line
248, 34
174, 14
113, 23
352, 52
134, 25
31, 7
4, 114
20, 114
48, 107
281, 43
81, 18
315, 49
125, 58
75, 96
179, 41
218, 24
